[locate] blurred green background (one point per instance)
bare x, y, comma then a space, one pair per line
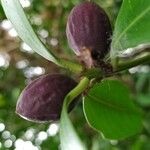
19, 65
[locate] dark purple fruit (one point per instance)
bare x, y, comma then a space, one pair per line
43, 98
88, 32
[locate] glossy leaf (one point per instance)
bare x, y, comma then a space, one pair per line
132, 26
16, 15
109, 109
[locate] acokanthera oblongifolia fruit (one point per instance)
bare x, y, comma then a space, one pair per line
43, 98
89, 32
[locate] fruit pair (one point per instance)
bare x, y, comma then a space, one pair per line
88, 32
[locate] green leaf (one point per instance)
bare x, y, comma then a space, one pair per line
16, 15
68, 136
132, 26
109, 109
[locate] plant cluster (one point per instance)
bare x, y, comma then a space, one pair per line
107, 102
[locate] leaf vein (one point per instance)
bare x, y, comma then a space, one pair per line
117, 107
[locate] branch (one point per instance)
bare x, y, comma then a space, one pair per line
139, 60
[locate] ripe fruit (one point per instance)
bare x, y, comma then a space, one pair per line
88, 32
43, 98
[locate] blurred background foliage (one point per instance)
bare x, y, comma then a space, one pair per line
19, 65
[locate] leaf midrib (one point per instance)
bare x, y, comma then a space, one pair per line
131, 24
110, 105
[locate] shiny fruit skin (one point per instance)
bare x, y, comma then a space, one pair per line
43, 98
89, 32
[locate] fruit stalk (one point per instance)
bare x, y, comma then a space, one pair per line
65, 123
76, 91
